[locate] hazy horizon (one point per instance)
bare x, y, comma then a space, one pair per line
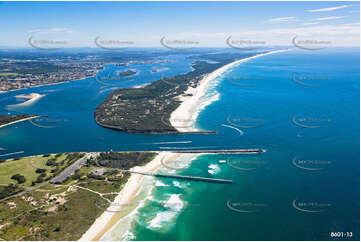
208, 24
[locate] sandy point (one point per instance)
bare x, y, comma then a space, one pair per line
32, 98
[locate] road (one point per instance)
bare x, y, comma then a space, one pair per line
59, 178
71, 169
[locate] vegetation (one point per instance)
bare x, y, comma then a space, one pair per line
66, 211
147, 109
11, 189
32, 165
5, 119
8, 74
39, 170
125, 160
127, 73
19, 178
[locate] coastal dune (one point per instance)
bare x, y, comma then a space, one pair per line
185, 116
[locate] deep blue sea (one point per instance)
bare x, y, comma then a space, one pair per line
302, 107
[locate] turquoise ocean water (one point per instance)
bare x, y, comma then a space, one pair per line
302, 107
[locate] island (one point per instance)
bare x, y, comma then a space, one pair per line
127, 73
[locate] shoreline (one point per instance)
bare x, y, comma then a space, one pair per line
32, 98
108, 219
184, 117
18, 121
42, 85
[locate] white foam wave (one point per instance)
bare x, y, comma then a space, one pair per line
182, 162
213, 169
231, 127
179, 184
128, 236
121, 231
175, 205
160, 184
160, 218
205, 101
210, 96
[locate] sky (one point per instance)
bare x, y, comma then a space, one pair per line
78, 24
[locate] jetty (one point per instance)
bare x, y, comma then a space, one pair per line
195, 178
226, 151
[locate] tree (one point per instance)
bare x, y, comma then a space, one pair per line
39, 170
19, 178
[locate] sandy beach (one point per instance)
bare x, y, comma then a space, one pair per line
108, 219
42, 85
32, 98
20, 120
185, 116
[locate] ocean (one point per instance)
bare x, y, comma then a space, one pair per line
301, 106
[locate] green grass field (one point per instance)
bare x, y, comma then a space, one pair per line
8, 74
69, 220
25, 166
72, 219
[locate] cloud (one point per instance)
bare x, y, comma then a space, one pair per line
328, 9
52, 31
339, 35
279, 20
328, 18
310, 23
